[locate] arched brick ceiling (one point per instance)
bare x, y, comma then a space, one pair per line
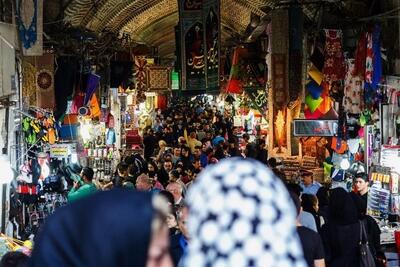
153, 21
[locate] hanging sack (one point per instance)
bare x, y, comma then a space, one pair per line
366, 257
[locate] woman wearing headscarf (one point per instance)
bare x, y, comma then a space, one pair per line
341, 234
241, 215
309, 203
372, 228
112, 228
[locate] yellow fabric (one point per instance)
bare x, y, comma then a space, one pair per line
316, 75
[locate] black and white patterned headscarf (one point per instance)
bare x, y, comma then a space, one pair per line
241, 215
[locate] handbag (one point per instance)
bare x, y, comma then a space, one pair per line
366, 257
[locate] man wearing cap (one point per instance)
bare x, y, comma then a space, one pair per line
83, 188
308, 184
361, 185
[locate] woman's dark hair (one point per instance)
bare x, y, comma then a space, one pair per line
152, 163
323, 197
14, 259
122, 167
308, 202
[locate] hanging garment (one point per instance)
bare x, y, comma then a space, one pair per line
353, 90
110, 138
312, 103
334, 67
369, 67
315, 74
314, 89
377, 58
360, 57
312, 115
325, 105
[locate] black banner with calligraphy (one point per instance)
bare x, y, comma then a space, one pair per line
211, 19
192, 48
258, 99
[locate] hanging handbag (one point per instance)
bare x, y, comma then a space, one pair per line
366, 257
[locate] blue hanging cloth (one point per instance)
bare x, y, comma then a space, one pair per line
377, 59
27, 33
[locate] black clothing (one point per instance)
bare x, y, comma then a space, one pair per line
312, 245
175, 248
262, 155
372, 228
163, 177
149, 143
341, 243
341, 234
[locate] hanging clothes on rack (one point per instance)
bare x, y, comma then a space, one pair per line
334, 67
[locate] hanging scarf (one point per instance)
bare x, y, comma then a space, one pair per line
334, 67
377, 59
360, 57
240, 214
369, 67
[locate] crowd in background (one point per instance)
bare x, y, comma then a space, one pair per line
238, 210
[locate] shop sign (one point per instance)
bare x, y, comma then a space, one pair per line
315, 127
62, 150
279, 80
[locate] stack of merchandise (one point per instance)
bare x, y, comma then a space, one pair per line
309, 163
291, 167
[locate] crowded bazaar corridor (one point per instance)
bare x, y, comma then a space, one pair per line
199, 133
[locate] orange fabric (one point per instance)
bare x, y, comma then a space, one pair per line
94, 107
326, 105
339, 148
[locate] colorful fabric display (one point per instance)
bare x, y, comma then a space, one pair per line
314, 89
377, 59
315, 74
92, 84
334, 67
94, 107
339, 145
353, 90
325, 105
369, 67
360, 57
312, 103
312, 115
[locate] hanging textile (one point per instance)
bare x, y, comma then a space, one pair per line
29, 18
28, 84
353, 90
377, 59
234, 84
162, 102
334, 67
45, 81
360, 57
92, 85
369, 67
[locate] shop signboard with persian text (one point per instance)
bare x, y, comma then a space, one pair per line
315, 127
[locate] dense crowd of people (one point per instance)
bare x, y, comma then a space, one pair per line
215, 200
